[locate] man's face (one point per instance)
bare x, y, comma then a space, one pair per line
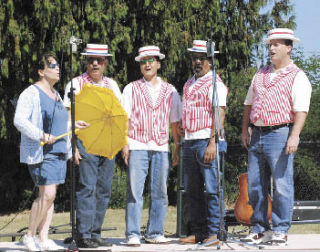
279, 51
96, 66
149, 67
200, 64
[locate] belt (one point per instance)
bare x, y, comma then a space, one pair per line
269, 128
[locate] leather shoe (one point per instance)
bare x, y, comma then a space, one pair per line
87, 243
101, 242
187, 240
212, 240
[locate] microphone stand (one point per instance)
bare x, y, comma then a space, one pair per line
221, 148
73, 245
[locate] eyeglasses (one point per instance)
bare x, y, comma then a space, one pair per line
144, 61
100, 60
53, 66
197, 57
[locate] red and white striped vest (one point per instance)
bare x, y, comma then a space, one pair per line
272, 101
150, 121
85, 78
196, 105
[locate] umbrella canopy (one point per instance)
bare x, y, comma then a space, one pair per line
108, 129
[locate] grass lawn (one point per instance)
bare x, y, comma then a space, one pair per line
116, 218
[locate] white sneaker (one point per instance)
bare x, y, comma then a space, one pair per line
257, 238
133, 241
49, 245
280, 239
160, 239
31, 243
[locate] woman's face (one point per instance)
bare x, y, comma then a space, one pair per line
51, 72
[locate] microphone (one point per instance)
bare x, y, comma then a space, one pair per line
74, 41
210, 46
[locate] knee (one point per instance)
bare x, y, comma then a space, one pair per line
49, 196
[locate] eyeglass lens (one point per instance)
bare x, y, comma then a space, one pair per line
52, 66
144, 61
92, 59
201, 58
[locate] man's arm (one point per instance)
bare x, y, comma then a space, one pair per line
211, 150
293, 140
176, 139
245, 124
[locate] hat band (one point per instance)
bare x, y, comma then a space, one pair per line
281, 33
97, 53
149, 50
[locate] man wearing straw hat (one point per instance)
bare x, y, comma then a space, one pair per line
199, 149
152, 105
95, 172
276, 108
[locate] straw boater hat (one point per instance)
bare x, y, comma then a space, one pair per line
97, 50
149, 51
199, 46
281, 33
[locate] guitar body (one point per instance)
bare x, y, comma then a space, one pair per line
242, 209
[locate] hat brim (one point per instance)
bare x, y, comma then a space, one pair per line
159, 55
199, 51
97, 54
294, 40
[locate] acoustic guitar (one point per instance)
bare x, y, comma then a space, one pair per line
242, 209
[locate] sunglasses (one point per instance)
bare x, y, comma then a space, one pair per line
144, 61
53, 66
98, 59
201, 58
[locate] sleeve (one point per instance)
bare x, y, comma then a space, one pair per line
115, 88
23, 113
301, 93
126, 99
66, 99
76, 86
249, 97
222, 91
176, 107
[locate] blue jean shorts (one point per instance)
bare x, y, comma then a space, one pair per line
51, 171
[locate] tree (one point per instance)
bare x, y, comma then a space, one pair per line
28, 28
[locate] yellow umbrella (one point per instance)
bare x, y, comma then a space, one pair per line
108, 121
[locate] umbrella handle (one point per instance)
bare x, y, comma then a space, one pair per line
42, 143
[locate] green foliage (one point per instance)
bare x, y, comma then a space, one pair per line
28, 28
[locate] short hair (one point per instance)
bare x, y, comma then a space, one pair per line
44, 60
288, 42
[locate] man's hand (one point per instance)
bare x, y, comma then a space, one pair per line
246, 137
292, 144
77, 156
125, 154
211, 150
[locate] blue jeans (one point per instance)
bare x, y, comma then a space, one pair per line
93, 195
269, 148
139, 163
200, 176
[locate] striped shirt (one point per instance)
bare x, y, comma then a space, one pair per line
150, 109
275, 97
197, 118
80, 80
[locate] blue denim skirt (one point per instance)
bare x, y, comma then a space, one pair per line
51, 171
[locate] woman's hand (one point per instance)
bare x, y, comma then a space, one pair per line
81, 124
48, 138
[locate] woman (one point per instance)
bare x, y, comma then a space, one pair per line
40, 116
